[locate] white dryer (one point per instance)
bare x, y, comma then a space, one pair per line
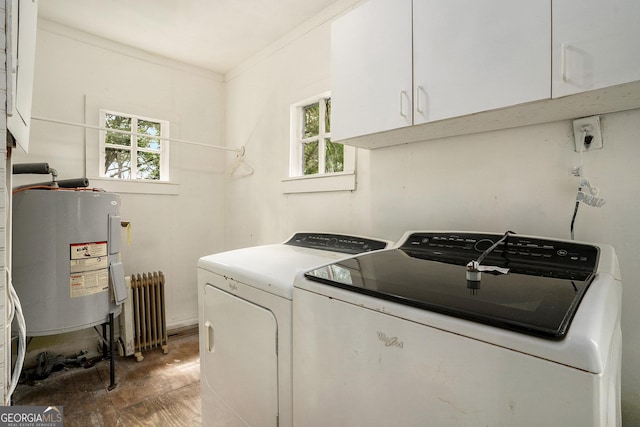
528, 335
245, 325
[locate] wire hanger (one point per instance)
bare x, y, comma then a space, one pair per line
235, 166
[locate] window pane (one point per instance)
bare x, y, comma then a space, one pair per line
327, 118
310, 161
149, 128
148, 165
334, 157
311, 124
117, 163
118, 139
149, 143
121, 123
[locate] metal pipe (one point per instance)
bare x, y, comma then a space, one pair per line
35, 168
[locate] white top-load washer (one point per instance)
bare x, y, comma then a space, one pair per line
245, 325
460, 329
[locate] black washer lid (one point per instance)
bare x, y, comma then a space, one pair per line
539, 295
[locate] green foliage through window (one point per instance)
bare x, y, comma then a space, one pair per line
117, 163
334, 157
311, 158
121, 148
311, 125
319, 154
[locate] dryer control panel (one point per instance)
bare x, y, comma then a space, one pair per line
336, 242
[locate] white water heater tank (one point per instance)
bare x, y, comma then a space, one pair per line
66, 246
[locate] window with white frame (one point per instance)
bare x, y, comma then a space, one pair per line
132, 148
312, 152
315, 162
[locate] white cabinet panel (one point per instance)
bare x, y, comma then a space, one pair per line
595, 44
23, 19
472, 56
371, 69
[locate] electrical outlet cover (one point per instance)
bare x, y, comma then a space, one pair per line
592, 126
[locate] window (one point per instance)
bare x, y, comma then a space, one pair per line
320, 155
315, 162
134, 150
312, 151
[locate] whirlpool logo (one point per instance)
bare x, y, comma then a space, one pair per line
390, 342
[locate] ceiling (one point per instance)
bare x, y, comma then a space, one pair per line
216, 35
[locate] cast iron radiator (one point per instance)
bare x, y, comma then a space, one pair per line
149, 315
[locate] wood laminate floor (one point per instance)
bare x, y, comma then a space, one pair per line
162, 390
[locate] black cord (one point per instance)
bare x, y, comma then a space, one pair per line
490, 249
575, 212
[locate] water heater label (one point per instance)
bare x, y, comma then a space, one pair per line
88, 250
89, 268
89, 283
79, 265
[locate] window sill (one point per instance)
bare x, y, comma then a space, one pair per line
135, 187
343, 181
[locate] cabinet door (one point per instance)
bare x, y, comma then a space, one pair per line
472, 56
371, 69
21, 53
595, 44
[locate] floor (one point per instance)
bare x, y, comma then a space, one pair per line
161, 390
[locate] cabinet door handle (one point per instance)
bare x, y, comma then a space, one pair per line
403, 93
419, 109
208, 336
563, 63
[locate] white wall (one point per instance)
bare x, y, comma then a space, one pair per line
515, 179
259, 96
168, 232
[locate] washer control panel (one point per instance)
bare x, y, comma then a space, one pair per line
336, 242
517, 249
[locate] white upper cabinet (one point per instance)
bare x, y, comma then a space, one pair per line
428, 69
397, 63
596, 44
371, 69
471, 56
